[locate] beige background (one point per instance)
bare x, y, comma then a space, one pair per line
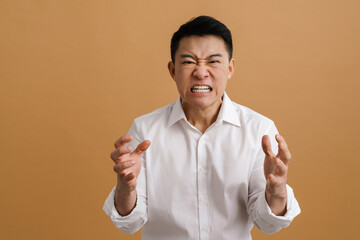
74, 74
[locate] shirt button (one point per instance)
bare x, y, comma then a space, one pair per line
204, 229
202, 170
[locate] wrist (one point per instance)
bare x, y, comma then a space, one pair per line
278, 195
125, 201
124, 191
277, 203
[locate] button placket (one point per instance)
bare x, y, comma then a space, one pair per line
202, 188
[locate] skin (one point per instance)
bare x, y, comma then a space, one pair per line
275, 170
200, 61
127, 166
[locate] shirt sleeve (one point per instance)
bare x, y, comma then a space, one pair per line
258, 208
268, 222
137, 218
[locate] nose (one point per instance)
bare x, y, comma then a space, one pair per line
201, 72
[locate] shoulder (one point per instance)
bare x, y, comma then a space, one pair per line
256, 125
160, 112
251, 118
248, 113
158, 117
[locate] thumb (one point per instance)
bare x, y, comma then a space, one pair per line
266, 146
142, 147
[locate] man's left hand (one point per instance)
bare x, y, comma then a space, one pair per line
275, 170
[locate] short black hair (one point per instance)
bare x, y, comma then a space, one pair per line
202, 26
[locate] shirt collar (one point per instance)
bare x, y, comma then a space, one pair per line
227, 112
176, 113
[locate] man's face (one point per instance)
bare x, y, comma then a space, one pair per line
201, 71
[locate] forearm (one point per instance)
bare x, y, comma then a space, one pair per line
125, 201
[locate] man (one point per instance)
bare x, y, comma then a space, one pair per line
214, 168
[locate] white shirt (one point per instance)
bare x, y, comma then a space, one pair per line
202, 186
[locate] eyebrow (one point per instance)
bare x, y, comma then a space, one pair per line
193, 57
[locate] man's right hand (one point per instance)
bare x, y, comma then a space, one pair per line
127, 166
127, 163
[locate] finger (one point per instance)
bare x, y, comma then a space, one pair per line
128, 177
276, 186
274, 180
122, 140
119, 152
283, 151
266, 146
120, 167
271, 179
281, 168
142, 147
269, 165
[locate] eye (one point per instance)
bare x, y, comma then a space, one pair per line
214, 61
188, 62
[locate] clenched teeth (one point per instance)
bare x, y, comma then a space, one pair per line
201, 89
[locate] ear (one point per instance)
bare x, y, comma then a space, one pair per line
171, 68
231, 68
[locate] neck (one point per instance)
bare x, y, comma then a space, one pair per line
201, 118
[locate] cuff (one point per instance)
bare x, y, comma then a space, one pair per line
292, 210
130, 222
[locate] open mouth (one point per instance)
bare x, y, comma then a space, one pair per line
200, 89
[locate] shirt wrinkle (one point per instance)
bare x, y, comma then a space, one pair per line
202, 186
